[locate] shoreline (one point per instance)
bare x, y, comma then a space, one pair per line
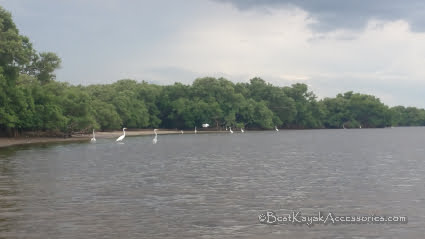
8, 142
22, 140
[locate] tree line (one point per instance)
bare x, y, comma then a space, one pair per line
32, 100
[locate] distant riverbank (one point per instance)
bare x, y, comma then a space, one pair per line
6, 142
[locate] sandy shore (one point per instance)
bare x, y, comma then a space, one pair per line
6, 142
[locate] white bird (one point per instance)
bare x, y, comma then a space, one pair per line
122, 136
231, 131
181, 131
94, 137
195, 130
243, 131
275, 127
205, 125
155, 140
360, 126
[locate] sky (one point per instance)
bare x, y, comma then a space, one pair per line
373, 47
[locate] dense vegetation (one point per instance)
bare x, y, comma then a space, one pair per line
31, 100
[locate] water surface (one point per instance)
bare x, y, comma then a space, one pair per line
215, 185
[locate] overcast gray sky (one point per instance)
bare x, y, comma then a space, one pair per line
375, 47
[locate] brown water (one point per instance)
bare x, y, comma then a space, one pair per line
215, 185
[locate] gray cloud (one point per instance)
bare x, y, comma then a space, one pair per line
104, 41
352, 14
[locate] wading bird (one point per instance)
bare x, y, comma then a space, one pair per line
195, 130
181, 131
243, 131
94, 137
231, 131
155, 140
275, 127
122, 136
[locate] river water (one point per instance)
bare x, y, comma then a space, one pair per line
216, 185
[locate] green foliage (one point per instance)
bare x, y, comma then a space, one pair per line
354, 110
44, 66
106, 115
410, 116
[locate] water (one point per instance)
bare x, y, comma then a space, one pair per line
215, 185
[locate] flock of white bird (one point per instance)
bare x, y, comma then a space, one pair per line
155, 139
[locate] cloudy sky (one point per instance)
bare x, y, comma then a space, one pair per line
375, 46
